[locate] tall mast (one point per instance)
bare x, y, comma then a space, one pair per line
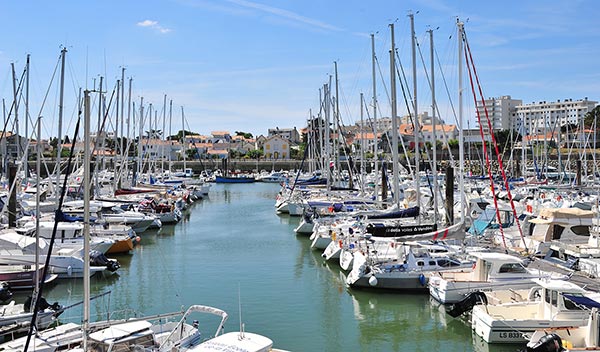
140, 138
128, 136
116, 139
395, 169
336, 145
86, 218
3, 141
327, 97
122, 111
375, 139
16, 102
434, 125
38, 168
164, 132
170, 132
26, 151
63, 55
184, 143
362, 140
415, 108
461, 147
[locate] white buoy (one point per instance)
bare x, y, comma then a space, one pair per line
69, 270
373, 281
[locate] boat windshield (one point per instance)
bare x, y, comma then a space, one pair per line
512, 268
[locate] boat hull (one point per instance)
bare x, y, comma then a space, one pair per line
223, 179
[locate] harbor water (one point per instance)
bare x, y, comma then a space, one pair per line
232, 250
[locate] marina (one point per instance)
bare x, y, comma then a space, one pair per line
288, 292
402, 210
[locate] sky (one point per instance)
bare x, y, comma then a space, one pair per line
251, 65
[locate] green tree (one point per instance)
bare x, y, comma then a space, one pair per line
255, 153
591, 116
246, 135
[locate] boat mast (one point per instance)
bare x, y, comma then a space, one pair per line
26, 151
86, 218
63, 55
362, 140
162, 144
16, 104
141, 135
116, 139
122, 144
461, 151
37, 211
184, 143
126, 152
327, 137
170, 132
395, 169
417, 129
375, 139
434, 125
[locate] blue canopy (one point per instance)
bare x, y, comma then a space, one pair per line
583, 301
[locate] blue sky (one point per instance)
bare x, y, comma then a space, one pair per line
251, 65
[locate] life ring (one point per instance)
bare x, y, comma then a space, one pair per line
341, 243
542, 195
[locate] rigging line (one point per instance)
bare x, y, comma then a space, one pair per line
408, 111
499, 157
21, 81
446, 86
487, 159
32, 325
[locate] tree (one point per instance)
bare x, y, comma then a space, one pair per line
179, 135
255, 153
591, 116
453, 143
246, 135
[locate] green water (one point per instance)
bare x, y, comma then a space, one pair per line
233, 241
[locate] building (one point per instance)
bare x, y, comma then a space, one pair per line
291, 134
539, 117
500, 112
160, 149
449, 131
276, 147
219, 137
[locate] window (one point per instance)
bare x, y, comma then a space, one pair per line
420, 263
570, 305
554, 297
512, 268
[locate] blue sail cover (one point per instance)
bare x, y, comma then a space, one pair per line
582, 301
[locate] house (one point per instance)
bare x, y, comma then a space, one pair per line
220, 136
276, 147
260, 142
290, 134
160, 149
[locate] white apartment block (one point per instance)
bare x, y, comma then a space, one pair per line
544, 116
385, 124
499, 111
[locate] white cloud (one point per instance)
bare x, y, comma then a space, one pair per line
154, 25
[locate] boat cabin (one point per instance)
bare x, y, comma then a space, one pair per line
491, 266
121, 337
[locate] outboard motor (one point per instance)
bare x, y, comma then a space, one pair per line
467, 304
98, 258
548, 343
